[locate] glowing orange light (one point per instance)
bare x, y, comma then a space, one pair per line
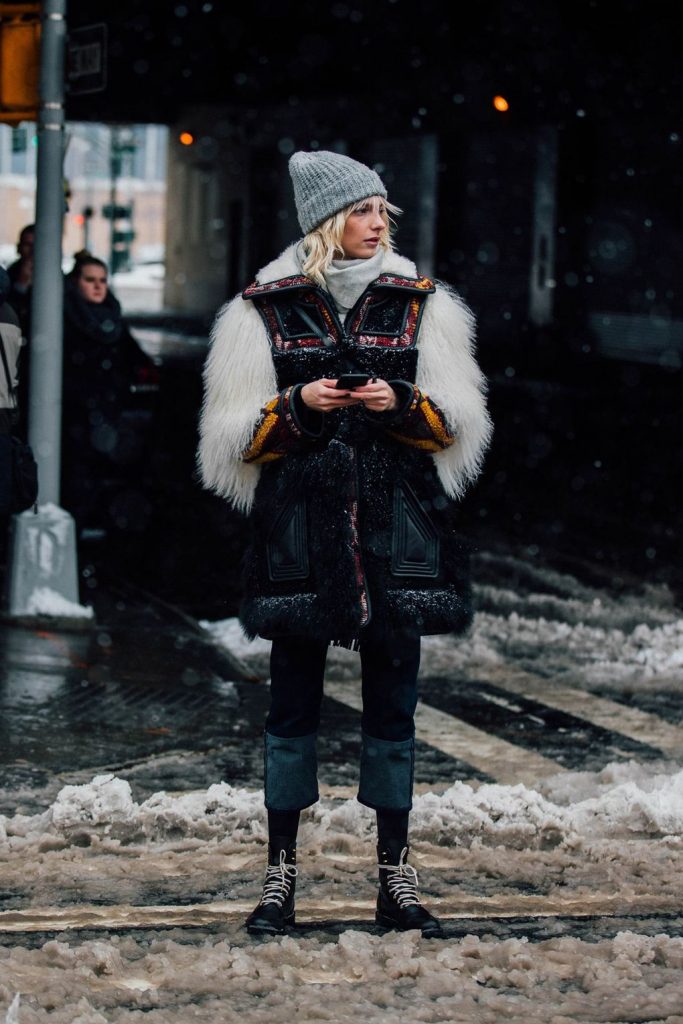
186, 138
501, 104
79, 219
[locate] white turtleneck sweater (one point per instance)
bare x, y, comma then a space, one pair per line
346, 280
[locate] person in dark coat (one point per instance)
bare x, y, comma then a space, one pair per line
351, 492
19, 297
11, 339
21, 277
102, 362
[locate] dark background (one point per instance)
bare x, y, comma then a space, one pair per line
585, 466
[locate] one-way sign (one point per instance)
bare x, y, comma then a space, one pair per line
86, 61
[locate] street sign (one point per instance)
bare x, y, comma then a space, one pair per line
86, 59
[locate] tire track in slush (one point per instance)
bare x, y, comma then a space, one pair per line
460, 907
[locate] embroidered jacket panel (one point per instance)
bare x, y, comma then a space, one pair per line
350, 522
309, 342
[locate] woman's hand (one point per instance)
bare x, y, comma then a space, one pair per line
323, 396
377, 396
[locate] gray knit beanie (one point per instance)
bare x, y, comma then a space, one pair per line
325, 182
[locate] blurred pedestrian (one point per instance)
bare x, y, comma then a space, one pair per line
102, 365
344, 411
19, 297
21, 278
10, 347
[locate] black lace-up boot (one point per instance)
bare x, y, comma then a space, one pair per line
275, 909
398, 905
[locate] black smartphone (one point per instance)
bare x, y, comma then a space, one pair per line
349, 381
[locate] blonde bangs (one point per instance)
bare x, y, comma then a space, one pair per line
323, 244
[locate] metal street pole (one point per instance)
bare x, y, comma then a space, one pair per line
45, 403
43, 578
114, 171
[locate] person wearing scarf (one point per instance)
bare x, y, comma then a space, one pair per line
101, 363
352, 497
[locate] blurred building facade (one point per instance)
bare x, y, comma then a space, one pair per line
140, 187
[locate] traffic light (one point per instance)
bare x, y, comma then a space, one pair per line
117, 212
19, 61
19, 140
122, 236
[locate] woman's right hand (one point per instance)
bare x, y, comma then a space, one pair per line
323, 396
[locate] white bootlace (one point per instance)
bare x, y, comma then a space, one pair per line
402, 881
278, 881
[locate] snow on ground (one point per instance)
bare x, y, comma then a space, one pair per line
618, 831
398, 977
624, 799
140, 289
568, 840
45, 601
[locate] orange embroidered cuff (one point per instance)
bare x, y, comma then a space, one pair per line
281, 430
422, 425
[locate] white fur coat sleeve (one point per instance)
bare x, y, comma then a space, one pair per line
448, 373
239, 378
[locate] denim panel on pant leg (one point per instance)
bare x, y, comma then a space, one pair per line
386, 773
290, 771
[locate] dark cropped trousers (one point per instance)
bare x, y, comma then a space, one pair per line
389, 667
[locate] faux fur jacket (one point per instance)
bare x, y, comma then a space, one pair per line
353, 512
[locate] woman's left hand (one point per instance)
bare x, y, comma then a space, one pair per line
377, 395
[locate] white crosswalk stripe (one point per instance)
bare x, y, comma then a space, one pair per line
608, 714
503, 761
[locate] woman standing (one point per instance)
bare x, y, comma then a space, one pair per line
102, 364
349, 492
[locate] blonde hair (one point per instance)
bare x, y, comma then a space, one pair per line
323, 243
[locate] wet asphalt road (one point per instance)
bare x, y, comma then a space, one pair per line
146, 695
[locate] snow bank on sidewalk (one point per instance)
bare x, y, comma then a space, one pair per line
45, 601
622, 799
